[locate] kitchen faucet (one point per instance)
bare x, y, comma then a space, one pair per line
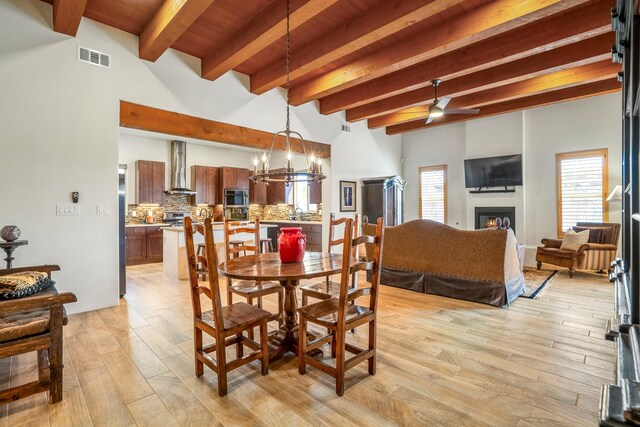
300, 213
206, 212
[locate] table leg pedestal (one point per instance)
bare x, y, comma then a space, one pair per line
286, 339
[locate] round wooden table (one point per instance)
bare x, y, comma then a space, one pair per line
267, 267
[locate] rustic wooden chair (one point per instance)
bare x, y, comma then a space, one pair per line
248, 289
225, 324
328, 288
339, 315
35, 323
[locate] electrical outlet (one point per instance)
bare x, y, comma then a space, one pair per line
67, 209
102, 209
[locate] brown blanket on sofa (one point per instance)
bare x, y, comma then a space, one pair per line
478, 265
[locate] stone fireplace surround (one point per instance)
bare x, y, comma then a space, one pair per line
484, 215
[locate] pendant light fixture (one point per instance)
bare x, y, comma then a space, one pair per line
261, 167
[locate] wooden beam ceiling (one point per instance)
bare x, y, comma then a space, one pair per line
602, 70
167, 25
67, 15
135, 116
569, 56
259, 33
373, 58
565, 28
377, 23
479, 24
567, 94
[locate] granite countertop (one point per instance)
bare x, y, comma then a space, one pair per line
216, 226
157, 224
289, 221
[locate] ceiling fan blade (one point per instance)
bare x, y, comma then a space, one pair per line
463, 111
442, 103
429, 120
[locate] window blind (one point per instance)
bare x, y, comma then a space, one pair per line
581, 192
432, 193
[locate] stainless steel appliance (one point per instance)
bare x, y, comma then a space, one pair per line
236, 213
175, 218
383, 197
179, 169
234, 198
122, 211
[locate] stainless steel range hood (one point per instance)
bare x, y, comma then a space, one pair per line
179, 169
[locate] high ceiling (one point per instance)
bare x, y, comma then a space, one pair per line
375, 59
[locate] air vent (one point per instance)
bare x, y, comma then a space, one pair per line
94, 57
346, 128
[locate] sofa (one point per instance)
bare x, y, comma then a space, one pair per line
430, 257
596, 254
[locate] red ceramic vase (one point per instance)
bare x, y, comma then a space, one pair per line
292, 244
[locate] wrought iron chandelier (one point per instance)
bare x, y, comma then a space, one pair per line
287, 174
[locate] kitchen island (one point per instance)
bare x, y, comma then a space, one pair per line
174, 252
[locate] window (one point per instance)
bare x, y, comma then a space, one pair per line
301, 197
433, 193
581, 187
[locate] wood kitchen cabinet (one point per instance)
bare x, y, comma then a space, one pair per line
150, 182
204, 181
143, 245
136, 245
236, 178
257, 193
279, 192
315, 192
312, 231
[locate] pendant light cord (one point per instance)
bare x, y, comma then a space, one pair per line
287, 65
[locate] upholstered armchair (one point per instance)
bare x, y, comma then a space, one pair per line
596, 254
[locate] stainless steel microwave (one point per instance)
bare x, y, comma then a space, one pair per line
236, 198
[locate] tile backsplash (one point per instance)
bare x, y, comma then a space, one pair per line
281, 212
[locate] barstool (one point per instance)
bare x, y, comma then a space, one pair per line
235, 244
266, 244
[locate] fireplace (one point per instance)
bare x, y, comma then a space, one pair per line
486, 216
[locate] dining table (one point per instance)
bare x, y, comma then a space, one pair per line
268, 267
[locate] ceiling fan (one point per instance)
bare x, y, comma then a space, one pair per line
438, 107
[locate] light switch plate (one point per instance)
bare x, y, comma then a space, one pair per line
67, 209
102, 209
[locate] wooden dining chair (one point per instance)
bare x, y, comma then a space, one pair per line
328, 288
338, 315
225, 324
248, 289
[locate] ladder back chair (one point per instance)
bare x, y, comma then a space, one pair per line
328, 288
338, 314
249, 289
224, 324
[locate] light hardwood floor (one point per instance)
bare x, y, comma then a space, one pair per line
441, 361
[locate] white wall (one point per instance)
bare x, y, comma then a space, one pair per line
59, 134
538, 134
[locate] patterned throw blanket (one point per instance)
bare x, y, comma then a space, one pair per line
22, 284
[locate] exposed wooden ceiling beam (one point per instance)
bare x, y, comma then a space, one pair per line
567, 94
170, 21
479, 24
67, 15
602, 70
568, 27
135, 116
377, 23
569, 56
261, 31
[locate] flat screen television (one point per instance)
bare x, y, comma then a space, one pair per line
502, 171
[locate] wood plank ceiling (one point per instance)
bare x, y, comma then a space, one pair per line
374, 59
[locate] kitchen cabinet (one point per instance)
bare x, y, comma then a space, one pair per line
279, 192
154, 244
143, 245
315, 192
312, 231
136, 245
150, 181
235, 178
257, 193
204, 181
